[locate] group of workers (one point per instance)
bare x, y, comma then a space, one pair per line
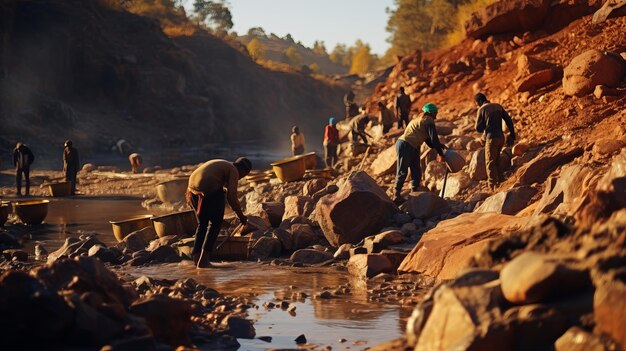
216, 181
23, 158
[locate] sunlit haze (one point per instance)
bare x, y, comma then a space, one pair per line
332, 21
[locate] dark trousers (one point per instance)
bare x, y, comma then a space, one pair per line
408, 158
18, 179
330, 154
386, 128
403, 120
211, 209
356, 135
70, 176
493, 147
298, 150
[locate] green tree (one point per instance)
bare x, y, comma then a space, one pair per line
289, 39
292, 57
420, 24
255, 49
319, 48
256, 32
215, 14
362, 58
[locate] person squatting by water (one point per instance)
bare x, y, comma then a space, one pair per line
357, 127
205, 194
136, 162
331, 141
385, 117
403, 108
70, 164
22, 159
297, 141
421, 129
489, 120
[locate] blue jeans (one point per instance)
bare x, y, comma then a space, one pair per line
408, 158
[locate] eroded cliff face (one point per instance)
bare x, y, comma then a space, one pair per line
75, 69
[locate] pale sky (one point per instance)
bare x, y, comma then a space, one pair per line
333, 21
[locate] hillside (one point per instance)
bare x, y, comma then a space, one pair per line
274, 47
76, 69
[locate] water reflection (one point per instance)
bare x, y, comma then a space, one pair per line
323, 321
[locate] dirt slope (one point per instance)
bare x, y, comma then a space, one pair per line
75, 69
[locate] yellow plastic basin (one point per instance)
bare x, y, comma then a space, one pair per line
126, 226
32, 212
310, 160
289, 169
172, 191
5, 209
60, 189
179, 223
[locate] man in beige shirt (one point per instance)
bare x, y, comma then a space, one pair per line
205, 193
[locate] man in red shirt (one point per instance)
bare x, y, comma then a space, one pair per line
331, 141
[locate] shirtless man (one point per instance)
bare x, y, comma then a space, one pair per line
205, 193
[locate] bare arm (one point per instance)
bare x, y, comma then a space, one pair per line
434, 138
231, 194
509, 123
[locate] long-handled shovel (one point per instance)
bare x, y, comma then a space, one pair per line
445, 180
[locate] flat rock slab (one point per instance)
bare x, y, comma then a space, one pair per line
444, 251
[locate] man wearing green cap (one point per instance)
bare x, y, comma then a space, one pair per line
419, 130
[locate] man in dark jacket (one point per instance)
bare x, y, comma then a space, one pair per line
22, 159
352, 109
403, 108
489, 120
70, 164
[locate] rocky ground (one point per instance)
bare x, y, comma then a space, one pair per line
537, 264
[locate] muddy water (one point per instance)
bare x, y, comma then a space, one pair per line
74, 216
323, 321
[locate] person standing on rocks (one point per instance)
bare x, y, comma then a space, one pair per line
420, 130
489, 121
385, 117
357, 127
331, 141
136, 161
205, 194
403, 108
22, 159
297, 141
70, 164
351, 107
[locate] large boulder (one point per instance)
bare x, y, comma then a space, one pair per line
577, 339
424, 204
533, 74
592, 68
538, 169
609, 304
369, 265
444, 251
564, 190
613, 8
358, 209
455, 184
168, 318
477, 166
507, 16
273, 212
385, 162
295, 205
310, 256
533, 278
313, 186
266, 247
508, 202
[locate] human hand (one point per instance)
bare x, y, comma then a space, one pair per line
243, 219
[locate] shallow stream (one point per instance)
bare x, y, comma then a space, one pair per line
323, 321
